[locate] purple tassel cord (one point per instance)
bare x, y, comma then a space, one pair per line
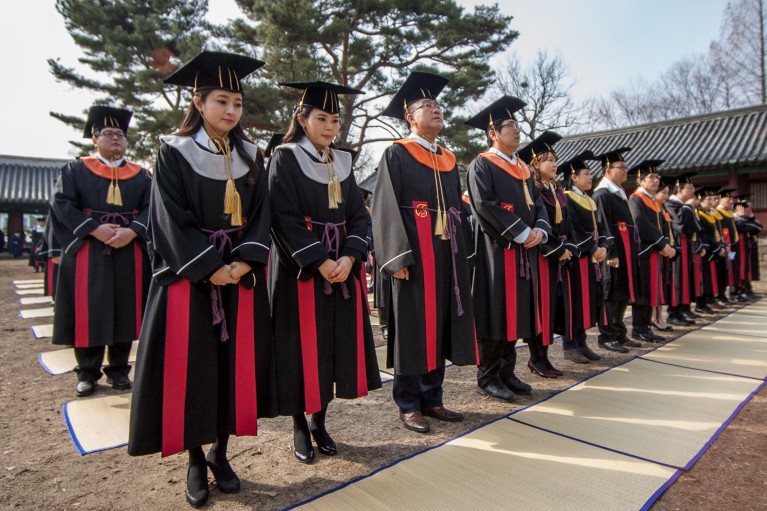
331, 240
221, 241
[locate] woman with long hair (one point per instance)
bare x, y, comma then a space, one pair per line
204, 368
318, 288
553, 256
588, 234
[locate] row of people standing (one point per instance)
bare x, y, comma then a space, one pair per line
220, 348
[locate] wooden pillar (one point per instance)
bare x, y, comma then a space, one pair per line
15, 222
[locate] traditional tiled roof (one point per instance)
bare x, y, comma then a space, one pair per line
722, 140
27, 183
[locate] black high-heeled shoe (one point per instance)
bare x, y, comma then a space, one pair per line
225, 477
307, 458
325, 444
197, 498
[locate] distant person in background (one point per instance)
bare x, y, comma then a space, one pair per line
35, 261
16, 245
99, 215
2, 240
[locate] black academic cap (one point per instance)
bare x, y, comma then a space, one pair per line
322, 95
41, 219
645, 167
742, 196
419, 85
273, 143
499, 110
541, 144
726, 192
100, 117
613, 156
707, 191
685, 178
669, 181
576, 163
214, 70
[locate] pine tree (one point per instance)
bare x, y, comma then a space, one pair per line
129, 47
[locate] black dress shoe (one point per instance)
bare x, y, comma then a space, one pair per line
517, 386
689, 315
644, 336
304, 457
666, 328
495, 388
705, 309
442, 414
543, 372
628, 342
414, 421
119, 381
226, 479
325, 443
197, 498
613, 346
657, 338
679, 321
575, 355
721, 303
85, 388
588, 353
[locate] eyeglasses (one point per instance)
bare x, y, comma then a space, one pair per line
111, 134
618, 167
430, 105
510, 124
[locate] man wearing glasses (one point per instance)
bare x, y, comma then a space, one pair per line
99, 214
652, 246
620, 275
421, 248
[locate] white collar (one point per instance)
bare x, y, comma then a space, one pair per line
108, 163
423, 142
611, 187
202, 138
309, 148
579, 192
674, 198
645, 192
512, 160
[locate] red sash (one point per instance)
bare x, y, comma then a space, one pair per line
624, 234
425, 237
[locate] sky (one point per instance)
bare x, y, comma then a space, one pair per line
605, 43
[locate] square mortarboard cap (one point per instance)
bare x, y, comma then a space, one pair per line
707, 191
645, 167
576, 163
273, 143
214, 70
100, 117
726, 192
667, 181
612, 156
322, 95
418, 85
541, 144
685, 178
742, 196
499, 110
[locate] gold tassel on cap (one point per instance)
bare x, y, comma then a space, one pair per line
440, 222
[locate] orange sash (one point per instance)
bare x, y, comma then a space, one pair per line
650, 203
96, 166
518, 171
445, 161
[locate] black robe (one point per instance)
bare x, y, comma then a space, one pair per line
647, 218
621, 283
322, 332
505, 287
101, 292
51, 249
427, 322
686, 232
748, 238
196, 379
711, 237
729, 265
555, 287
588, 233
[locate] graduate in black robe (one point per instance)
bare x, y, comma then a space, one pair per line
323, 340
51, 251
554, 255
204, 368
588, 234
667, 278
729, 279
653, 245
36, 259
620, 276
421, 248
99, 215
712, 238
511, 224
748, 237
686, 231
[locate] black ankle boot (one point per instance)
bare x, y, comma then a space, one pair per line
197, 490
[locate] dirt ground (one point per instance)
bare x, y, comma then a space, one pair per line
41, 469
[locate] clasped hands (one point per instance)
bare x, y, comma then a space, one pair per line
113, 235
336, 271
230, 273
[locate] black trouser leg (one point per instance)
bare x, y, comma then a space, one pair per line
496, 358
89, 361
613, 329
414, 392
641, 317
117, 356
